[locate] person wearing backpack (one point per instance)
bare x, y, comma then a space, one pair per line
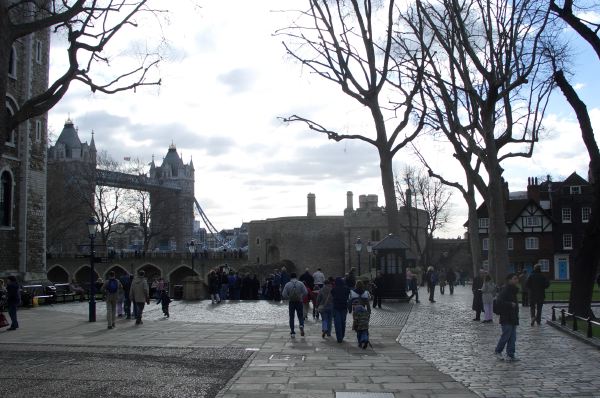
358, 305
340, 294
140, 295
111, 289
295, 291
325, 307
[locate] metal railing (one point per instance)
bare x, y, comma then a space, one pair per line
564, 315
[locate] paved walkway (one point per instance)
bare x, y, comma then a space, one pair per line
442, 353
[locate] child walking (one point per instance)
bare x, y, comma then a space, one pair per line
165, 300
361, 313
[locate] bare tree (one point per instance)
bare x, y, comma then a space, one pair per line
417, 190
89, 27
349, 43
588, 257
468, 194
139, 204
486, 88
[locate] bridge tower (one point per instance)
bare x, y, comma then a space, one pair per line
71, 185
172, 211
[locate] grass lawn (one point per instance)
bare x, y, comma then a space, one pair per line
559, 291
582, 327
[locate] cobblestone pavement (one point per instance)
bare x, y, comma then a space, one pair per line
552, 364
238, 312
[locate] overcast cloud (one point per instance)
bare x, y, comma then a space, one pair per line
225, 82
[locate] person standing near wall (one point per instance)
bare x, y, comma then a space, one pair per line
13, 300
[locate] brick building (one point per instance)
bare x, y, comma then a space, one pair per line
545, 225
23, 164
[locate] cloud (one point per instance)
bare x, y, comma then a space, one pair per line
238, 80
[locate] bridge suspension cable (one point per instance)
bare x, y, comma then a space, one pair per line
209, 225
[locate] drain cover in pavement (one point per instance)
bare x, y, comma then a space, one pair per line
286, 357
364, 395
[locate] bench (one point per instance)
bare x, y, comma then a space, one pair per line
29, 292
63, 291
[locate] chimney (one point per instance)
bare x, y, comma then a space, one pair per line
533, 189
362, 201
349, 201
311, 205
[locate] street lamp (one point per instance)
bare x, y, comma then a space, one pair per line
192, 249
91, 224
358, 247
369, 251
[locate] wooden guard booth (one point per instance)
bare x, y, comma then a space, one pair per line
390, 260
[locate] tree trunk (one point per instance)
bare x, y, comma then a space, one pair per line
586, 262
473, 230
389, 192
498, 255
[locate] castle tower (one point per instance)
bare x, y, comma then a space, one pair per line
71, 176
172, 211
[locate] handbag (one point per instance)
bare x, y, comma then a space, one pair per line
3, 321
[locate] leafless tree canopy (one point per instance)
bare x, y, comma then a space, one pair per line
89, 27
349, 43
486, 86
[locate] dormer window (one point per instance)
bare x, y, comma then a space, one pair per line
484, 223
576, 190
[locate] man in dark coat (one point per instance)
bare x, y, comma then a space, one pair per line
537, 284
340, 294
451, 279
477, 295
508, 306
307, 278
12, 301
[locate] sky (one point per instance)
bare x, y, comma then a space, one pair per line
226, 80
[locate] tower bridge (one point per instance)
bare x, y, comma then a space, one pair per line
73, 174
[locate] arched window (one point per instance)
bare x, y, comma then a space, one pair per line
11, 138
12, 63
5, 198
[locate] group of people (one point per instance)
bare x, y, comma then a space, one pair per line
231, 285
335, 298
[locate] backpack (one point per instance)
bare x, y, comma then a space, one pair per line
295, 294
112, 286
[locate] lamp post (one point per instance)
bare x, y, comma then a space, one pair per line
369, 251
192, 249
358, 247
91, 224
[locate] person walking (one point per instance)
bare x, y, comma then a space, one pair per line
111, 288
442, 281
126, 283
325, 307
361, 311
340, 293
306, 300
307, 279
488, 290
13, 299
319, 278
351, 278
413, 285
477, 305
140, 295
3, 298
164, 300
431, 278
508, 307
294, 291
377, 289
537, 284
213, 286
451, 280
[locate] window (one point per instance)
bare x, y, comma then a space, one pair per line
509, 244
485, 244
375, 235
585, 214
38, 51
566, 214
257, 241
484, 222
544, 265
12, 63
11, 138
5, 199
532, 243
567, 241
38, 130
576, 190
533, 221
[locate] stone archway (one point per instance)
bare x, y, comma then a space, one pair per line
119, 271
177, 275
150, 272
82, 275
57, 274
